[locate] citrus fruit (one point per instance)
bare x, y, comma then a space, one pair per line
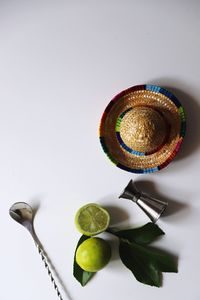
93, 254
92, 219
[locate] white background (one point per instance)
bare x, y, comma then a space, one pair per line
60, 64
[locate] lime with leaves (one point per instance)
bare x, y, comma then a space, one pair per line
93, 254
92, 219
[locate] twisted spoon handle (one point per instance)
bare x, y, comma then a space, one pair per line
46, 264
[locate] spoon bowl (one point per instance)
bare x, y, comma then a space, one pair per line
21, 212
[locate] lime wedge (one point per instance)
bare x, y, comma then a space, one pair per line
92, 219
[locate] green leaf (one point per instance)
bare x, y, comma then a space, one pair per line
163, 261
142, 235
146, 263
82, 276
143, 270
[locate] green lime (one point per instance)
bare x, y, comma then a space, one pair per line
92, 219
93, 254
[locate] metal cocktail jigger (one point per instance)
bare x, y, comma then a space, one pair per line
152, 207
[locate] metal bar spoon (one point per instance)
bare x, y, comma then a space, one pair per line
23, 213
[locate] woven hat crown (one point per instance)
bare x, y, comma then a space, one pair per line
143, 129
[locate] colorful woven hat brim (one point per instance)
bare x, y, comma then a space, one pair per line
149, 96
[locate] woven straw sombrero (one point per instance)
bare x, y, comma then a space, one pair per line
142, 128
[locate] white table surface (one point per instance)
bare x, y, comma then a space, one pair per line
60, 64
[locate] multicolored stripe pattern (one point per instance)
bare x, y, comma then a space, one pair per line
156, 89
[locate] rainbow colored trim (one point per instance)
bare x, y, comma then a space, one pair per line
155, 89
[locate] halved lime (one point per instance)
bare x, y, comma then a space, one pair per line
92, 219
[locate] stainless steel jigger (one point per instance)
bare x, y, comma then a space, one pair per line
22, 213
152, 207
